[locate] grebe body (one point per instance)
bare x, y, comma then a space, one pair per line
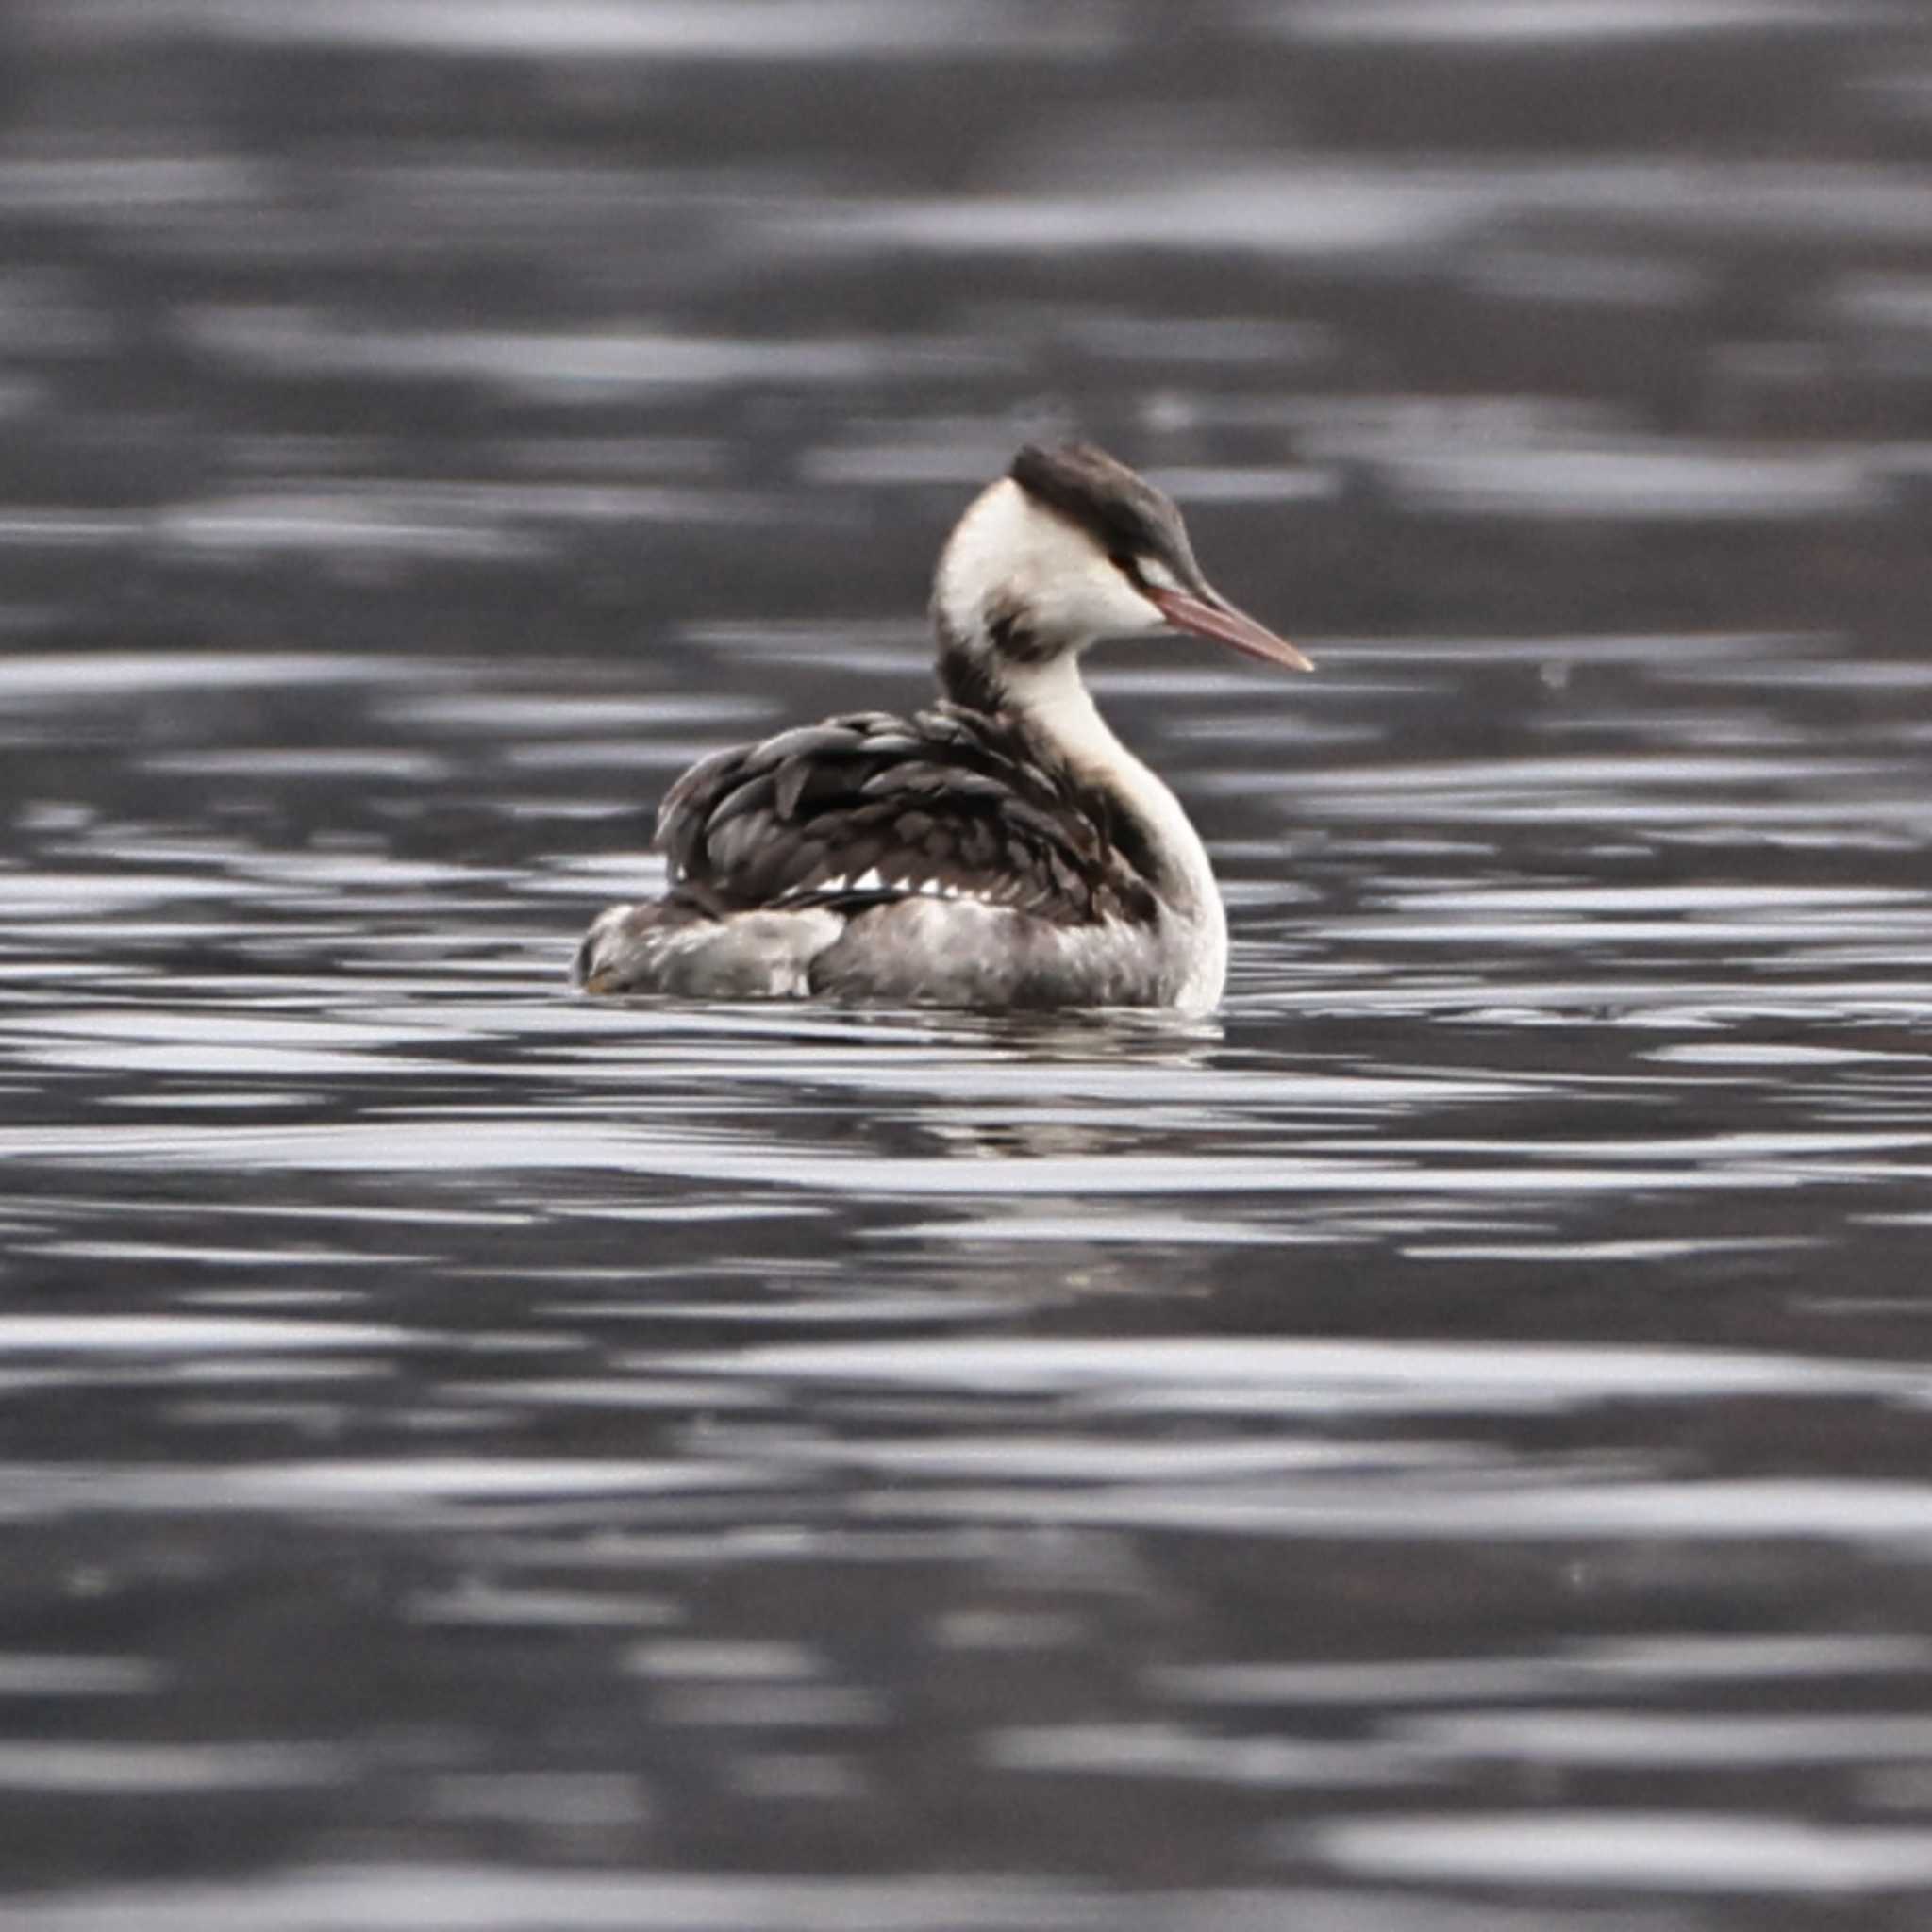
1003, 849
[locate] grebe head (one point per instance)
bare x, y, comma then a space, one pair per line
1070, 547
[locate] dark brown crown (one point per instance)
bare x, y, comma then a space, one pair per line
1123, 512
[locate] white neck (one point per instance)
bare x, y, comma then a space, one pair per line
1053, 700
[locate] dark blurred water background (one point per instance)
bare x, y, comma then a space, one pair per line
1443, 1447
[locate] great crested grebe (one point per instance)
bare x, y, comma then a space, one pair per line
1003, 849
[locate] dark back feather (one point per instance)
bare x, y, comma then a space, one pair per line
950, 800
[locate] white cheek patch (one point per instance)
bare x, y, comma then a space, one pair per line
1008, 549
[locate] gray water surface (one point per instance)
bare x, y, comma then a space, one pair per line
1442, 1444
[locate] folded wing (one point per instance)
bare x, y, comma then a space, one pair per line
867, 808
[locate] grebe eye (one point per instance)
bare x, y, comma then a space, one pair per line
1128, 566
